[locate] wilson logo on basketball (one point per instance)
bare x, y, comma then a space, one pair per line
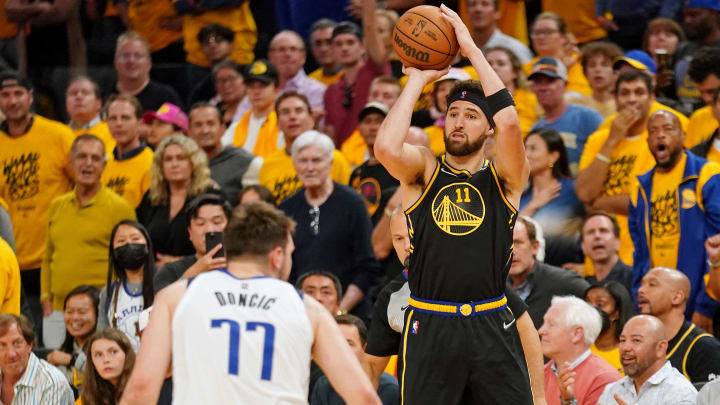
410, 51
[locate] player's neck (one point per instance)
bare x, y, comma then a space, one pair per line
482, 35
247, 268
543, 179
604, 267
673, 321
645, 375
602, 95
607, 340
554, 112
572, 354
132, 87
472, 162
317, 195
18, 127
351, 71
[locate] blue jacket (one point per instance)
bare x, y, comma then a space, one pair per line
699, 200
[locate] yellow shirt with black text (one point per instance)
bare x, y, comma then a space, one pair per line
630, 158
35, 170
129, 178
665, 216
279, 176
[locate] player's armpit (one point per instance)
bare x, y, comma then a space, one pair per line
334, 356
153, 359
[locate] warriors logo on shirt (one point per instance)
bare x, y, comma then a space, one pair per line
458, 209
369, 189
285, 187
664, 215
619, 172
21, 175
117, 184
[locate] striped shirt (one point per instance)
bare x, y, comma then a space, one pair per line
42, 384
666, 387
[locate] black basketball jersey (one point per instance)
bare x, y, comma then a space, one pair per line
461, 232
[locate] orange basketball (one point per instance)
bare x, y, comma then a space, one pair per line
423, 39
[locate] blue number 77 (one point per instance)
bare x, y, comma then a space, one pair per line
268, 347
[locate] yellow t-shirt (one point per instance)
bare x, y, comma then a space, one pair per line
9, 280
437, 139
630, 158
354, 149
528, 109
665, 216
714, 153
146, 17
267, 138
7, 29
239, 19
102, 131
129, 178
576, 77
580, 18
653, 107
611, 356
78, 239
279, 176
35, 170
701, 126
327, 80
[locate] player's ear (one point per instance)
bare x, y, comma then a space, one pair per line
276, 257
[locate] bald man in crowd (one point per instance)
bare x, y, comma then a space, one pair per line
664, 293
650, 379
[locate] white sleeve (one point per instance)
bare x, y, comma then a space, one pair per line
252, 174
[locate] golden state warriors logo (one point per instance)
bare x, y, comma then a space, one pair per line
458, 209
258, 68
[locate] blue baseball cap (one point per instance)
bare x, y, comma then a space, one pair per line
550, 67
708, 4
637, 59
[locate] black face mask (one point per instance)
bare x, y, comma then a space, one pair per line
131, 255
605, 319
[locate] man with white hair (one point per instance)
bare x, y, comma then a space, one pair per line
573, 375
333, 227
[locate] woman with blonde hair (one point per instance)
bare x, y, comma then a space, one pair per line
111, 362
179, 172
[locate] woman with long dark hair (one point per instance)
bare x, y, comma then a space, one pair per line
131, 264
613, 301
111, 361
550, 196
80, 316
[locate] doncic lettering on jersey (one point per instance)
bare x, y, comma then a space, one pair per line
229, 298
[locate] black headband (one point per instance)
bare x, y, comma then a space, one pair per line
476, 98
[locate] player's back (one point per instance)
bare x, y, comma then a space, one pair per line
240, 341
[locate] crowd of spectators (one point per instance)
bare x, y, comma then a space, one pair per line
130, 129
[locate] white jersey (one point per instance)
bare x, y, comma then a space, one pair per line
125, 312
240, 341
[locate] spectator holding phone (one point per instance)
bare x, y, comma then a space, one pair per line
207, 215
131, 265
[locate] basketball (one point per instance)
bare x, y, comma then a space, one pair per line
424, 40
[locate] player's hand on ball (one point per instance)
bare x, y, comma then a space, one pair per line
467, 45
428, 76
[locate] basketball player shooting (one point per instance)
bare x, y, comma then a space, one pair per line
461, 210
240, 335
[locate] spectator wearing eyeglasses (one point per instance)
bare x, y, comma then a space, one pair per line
330, 70
345, 99
333, 227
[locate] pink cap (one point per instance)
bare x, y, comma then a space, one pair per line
169, 113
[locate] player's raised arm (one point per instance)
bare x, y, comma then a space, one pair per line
511, 162
405, 162
332, 353
153, 359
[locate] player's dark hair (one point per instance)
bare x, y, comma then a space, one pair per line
128, 99
616, 228
217, 30
554, 143
321, 24
323, 273
118, 273
706, 62
96, 88
94, 294
632, 75
662, 24
263, 192
347, 319
347, 27
623, 302
290, 94
96, 390
23, 324
255, 229
530, 227
228, 64
206, 199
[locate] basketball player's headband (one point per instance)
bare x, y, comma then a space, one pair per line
477, 98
